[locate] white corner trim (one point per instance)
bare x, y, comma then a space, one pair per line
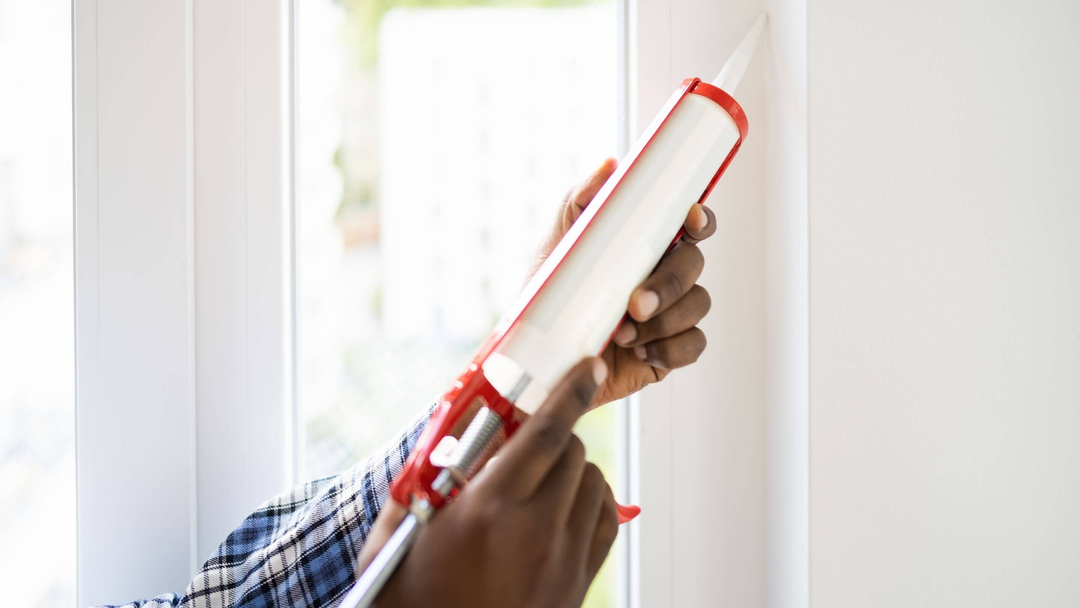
183, 282
134, 250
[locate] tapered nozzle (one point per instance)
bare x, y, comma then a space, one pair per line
733, 70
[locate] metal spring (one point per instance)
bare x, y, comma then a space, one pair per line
475, 441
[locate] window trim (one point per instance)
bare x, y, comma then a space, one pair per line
245, 412
134, 314
181, 339
697, 440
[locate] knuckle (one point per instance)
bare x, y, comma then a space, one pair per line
608, 527
661, 352
541, 554
673, 284
575, 449
663, 325
699, 344
706, 299
608, 531
490, 510
581, 393
593, 479
697, 259
549, 436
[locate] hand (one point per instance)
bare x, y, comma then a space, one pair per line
531, 530
661, 333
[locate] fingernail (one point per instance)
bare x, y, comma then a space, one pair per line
639, 351
698, 218
606, 166
647, 303
599, 371
626, 333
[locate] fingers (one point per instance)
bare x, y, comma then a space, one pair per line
607, 529
558, 491
391, 515
676, 274
681, 316
700, 224
574, 203
671, 353
580, 197
586, 510
531, 453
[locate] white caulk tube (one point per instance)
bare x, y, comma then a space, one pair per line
577, 298
572, 305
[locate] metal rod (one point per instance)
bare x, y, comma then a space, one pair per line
386, 561
519, 387
474, 443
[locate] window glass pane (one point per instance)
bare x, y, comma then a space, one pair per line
436, 139
37, 416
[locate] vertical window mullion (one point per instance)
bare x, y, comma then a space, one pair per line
135, 380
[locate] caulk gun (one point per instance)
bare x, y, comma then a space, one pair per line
573, 304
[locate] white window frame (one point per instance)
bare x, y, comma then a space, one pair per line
185, 299
183, 274
697, 441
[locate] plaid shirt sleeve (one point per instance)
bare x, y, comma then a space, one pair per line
299, 549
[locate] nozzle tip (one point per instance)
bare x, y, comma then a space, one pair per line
733, 70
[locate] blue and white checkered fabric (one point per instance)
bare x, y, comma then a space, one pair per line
299, 549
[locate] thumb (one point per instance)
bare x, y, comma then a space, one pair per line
580, 197
573, 204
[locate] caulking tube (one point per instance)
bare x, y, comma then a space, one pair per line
573, 304
570, 309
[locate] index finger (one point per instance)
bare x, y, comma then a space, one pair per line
532, 452
391, 515
700, 224
583, 193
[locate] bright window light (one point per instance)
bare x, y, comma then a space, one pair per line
37, 409
434, 146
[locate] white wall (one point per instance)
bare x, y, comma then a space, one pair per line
917, 346
944, 209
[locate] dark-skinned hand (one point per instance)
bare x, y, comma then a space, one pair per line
530, 531
661, 333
